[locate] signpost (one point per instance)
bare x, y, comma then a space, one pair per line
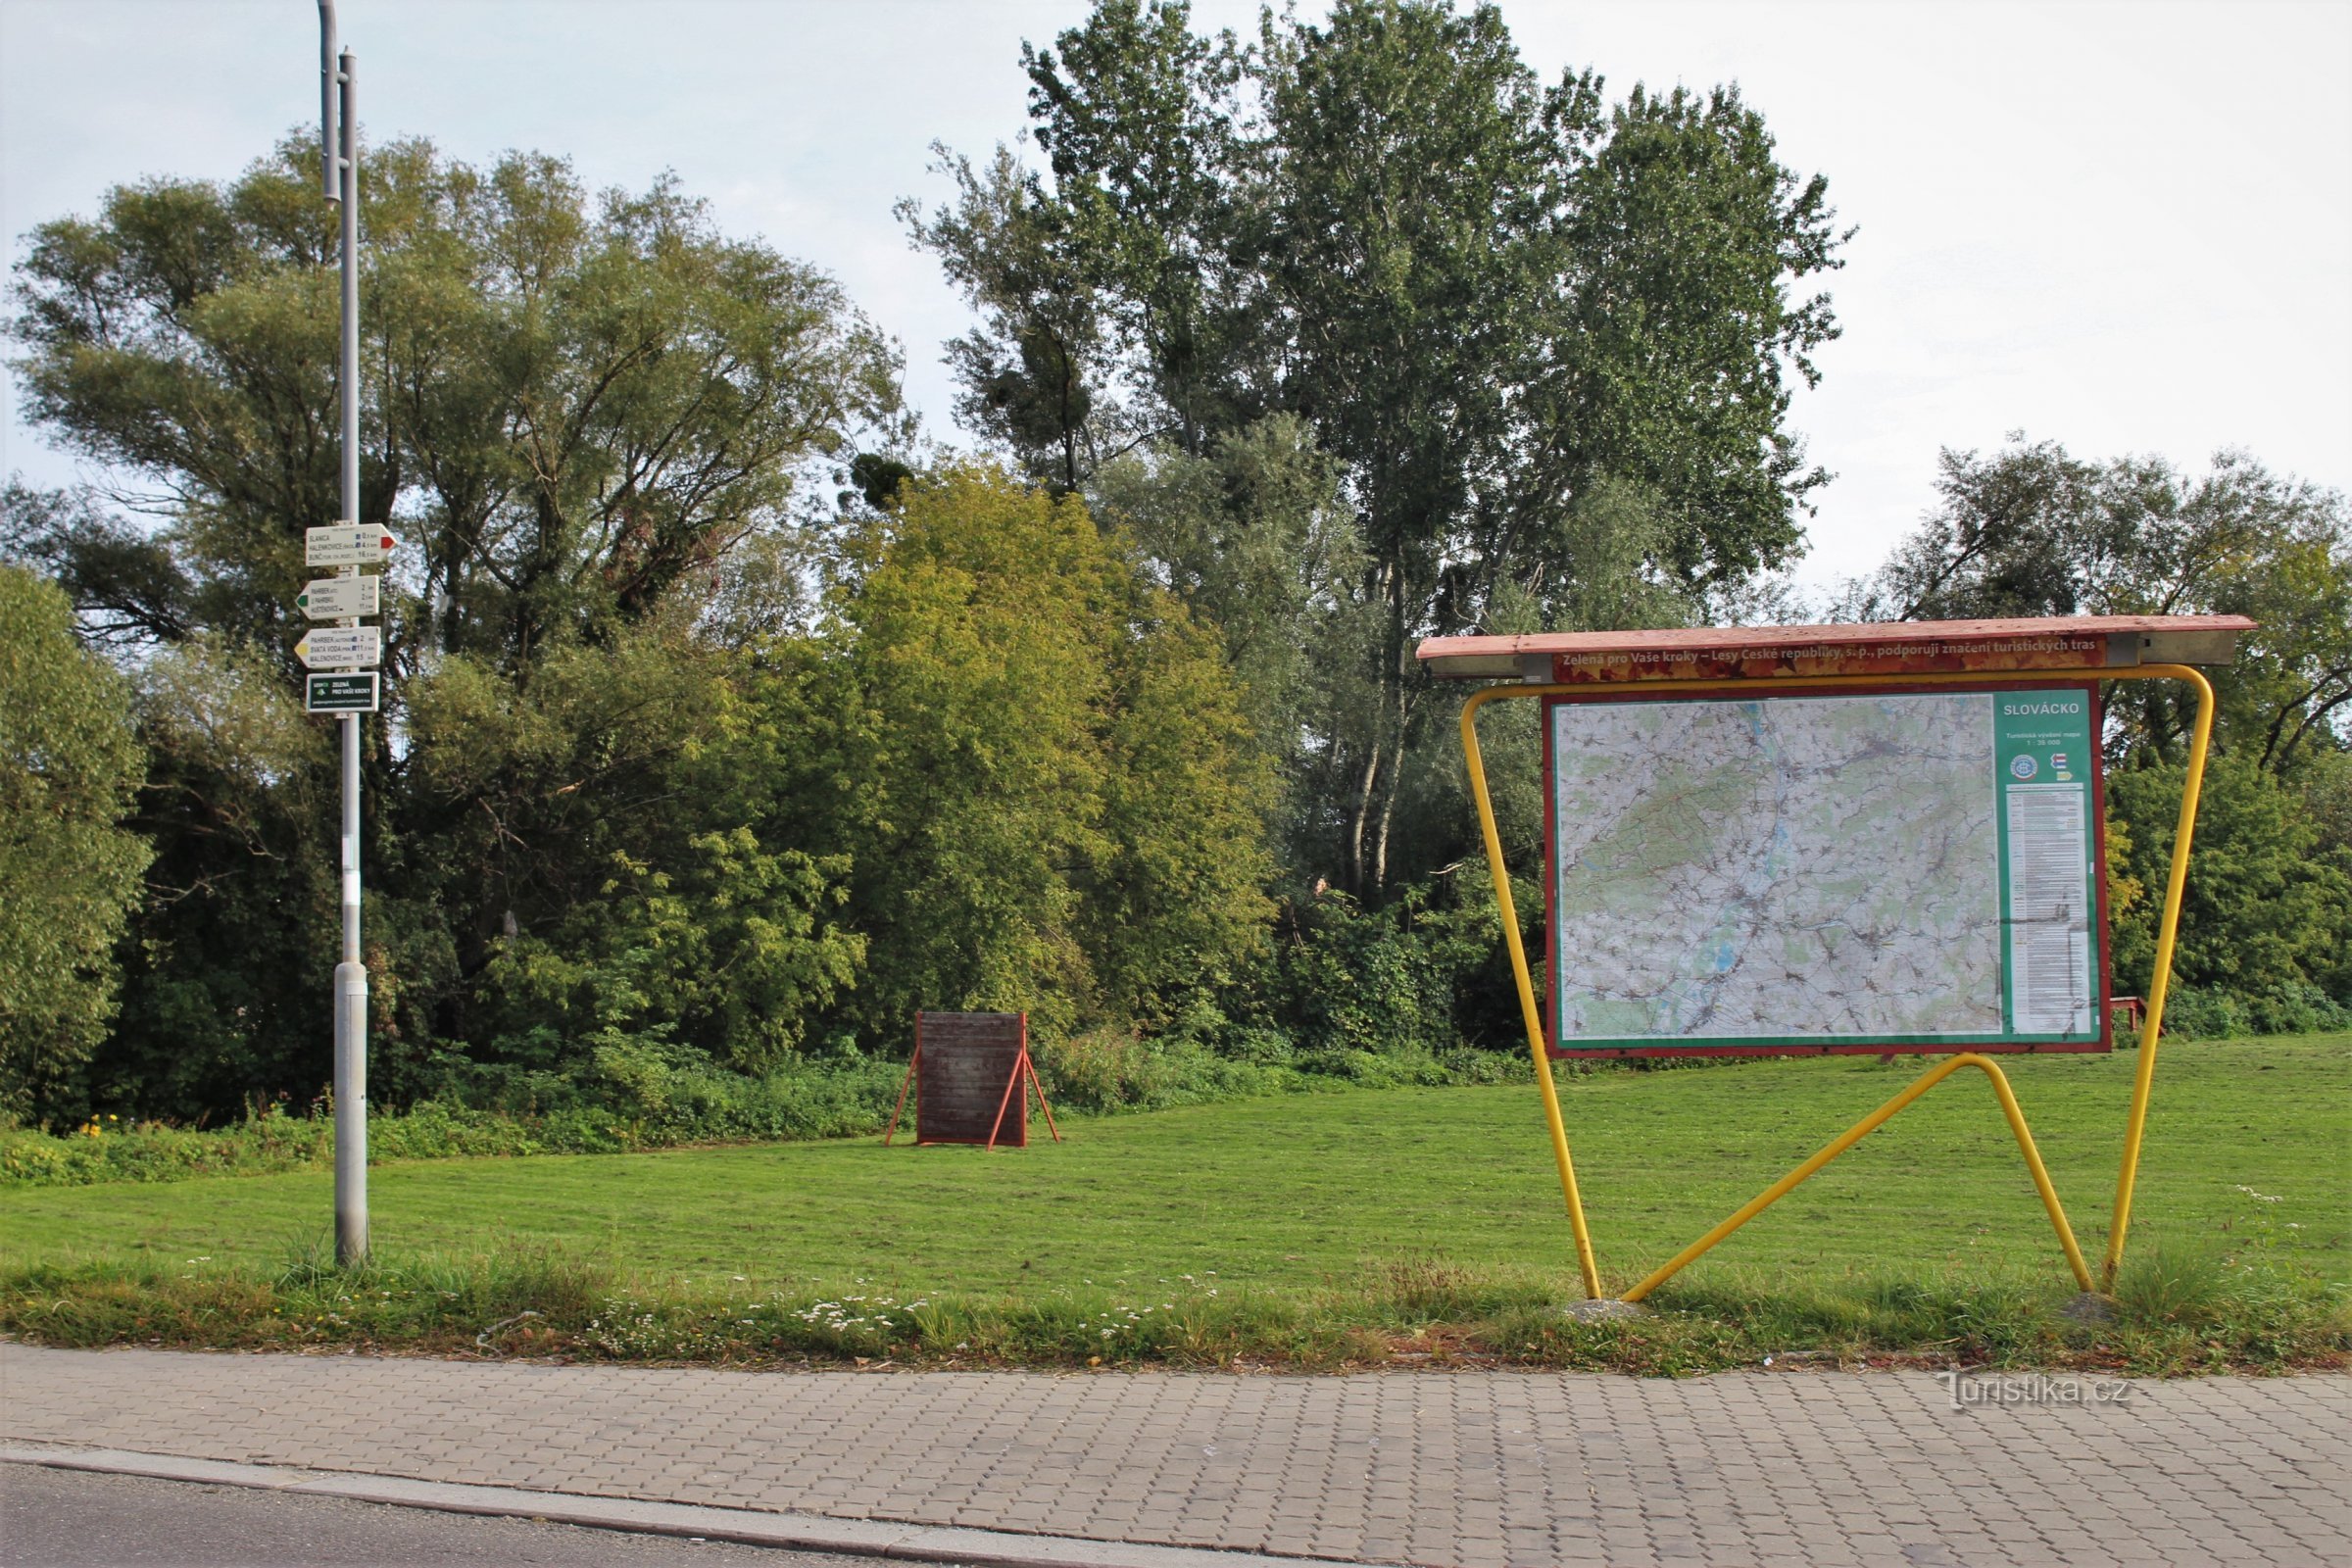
1809, 840
346, 545
335, 598
345, 647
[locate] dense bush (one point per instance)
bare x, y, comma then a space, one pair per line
636, 1097
2192, 1013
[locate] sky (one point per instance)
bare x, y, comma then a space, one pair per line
2127, 228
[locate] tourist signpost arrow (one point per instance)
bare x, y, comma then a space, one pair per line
340, 647
334, 597
342, 544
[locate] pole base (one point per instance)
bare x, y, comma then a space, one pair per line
1602, 1309
351, 1112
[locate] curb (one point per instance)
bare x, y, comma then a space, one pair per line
871, 1538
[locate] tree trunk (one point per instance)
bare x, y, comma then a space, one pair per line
1359, 814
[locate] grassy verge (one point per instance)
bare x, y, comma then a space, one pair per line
1334, 1229
2174, 1313
2246, 1151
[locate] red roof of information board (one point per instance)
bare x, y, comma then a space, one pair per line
1893, 647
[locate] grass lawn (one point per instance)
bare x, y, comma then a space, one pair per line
1315, 1190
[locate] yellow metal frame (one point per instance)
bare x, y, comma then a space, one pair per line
2144, 1081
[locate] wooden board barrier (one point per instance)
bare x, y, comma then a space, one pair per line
971, 1077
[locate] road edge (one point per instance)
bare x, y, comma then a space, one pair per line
871, 1538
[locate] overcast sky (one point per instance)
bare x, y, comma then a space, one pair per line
2125, 226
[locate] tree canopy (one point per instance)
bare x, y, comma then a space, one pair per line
1485, 301
728, 722
70, 872
2033, 530
571, 405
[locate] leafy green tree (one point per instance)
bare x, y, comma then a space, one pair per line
1040, 767
1486, 298
2032, 530
2268, 909
595, 423
1255, 540
571, 407
70, 872
1142, 123
1179, 898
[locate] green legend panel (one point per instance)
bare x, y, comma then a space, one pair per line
339, 692
2049, 863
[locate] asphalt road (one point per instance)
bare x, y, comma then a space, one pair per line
78, 1519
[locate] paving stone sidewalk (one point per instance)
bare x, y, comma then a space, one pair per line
1439, 1468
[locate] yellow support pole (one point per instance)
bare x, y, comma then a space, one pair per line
1528, 1010
1862, 1129
2168, 927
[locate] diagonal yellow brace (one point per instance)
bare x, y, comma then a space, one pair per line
1863, 1129
1529, 1013
2167, 931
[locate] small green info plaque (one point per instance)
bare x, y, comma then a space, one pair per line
1895, 870
354, 693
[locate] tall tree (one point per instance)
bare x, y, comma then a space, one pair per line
70, 872
571, 404
584, 417
1485, 298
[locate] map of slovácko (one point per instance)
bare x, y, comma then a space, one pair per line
1791, 870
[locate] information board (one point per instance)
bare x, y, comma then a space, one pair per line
1907, 870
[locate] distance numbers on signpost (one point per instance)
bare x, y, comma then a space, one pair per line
335, 598
342, 544
343, 654
340, 648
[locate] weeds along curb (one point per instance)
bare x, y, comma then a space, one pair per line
2173, 1315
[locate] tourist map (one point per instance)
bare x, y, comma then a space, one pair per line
1911, 871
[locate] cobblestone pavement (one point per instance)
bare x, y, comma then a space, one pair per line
1439, 1468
